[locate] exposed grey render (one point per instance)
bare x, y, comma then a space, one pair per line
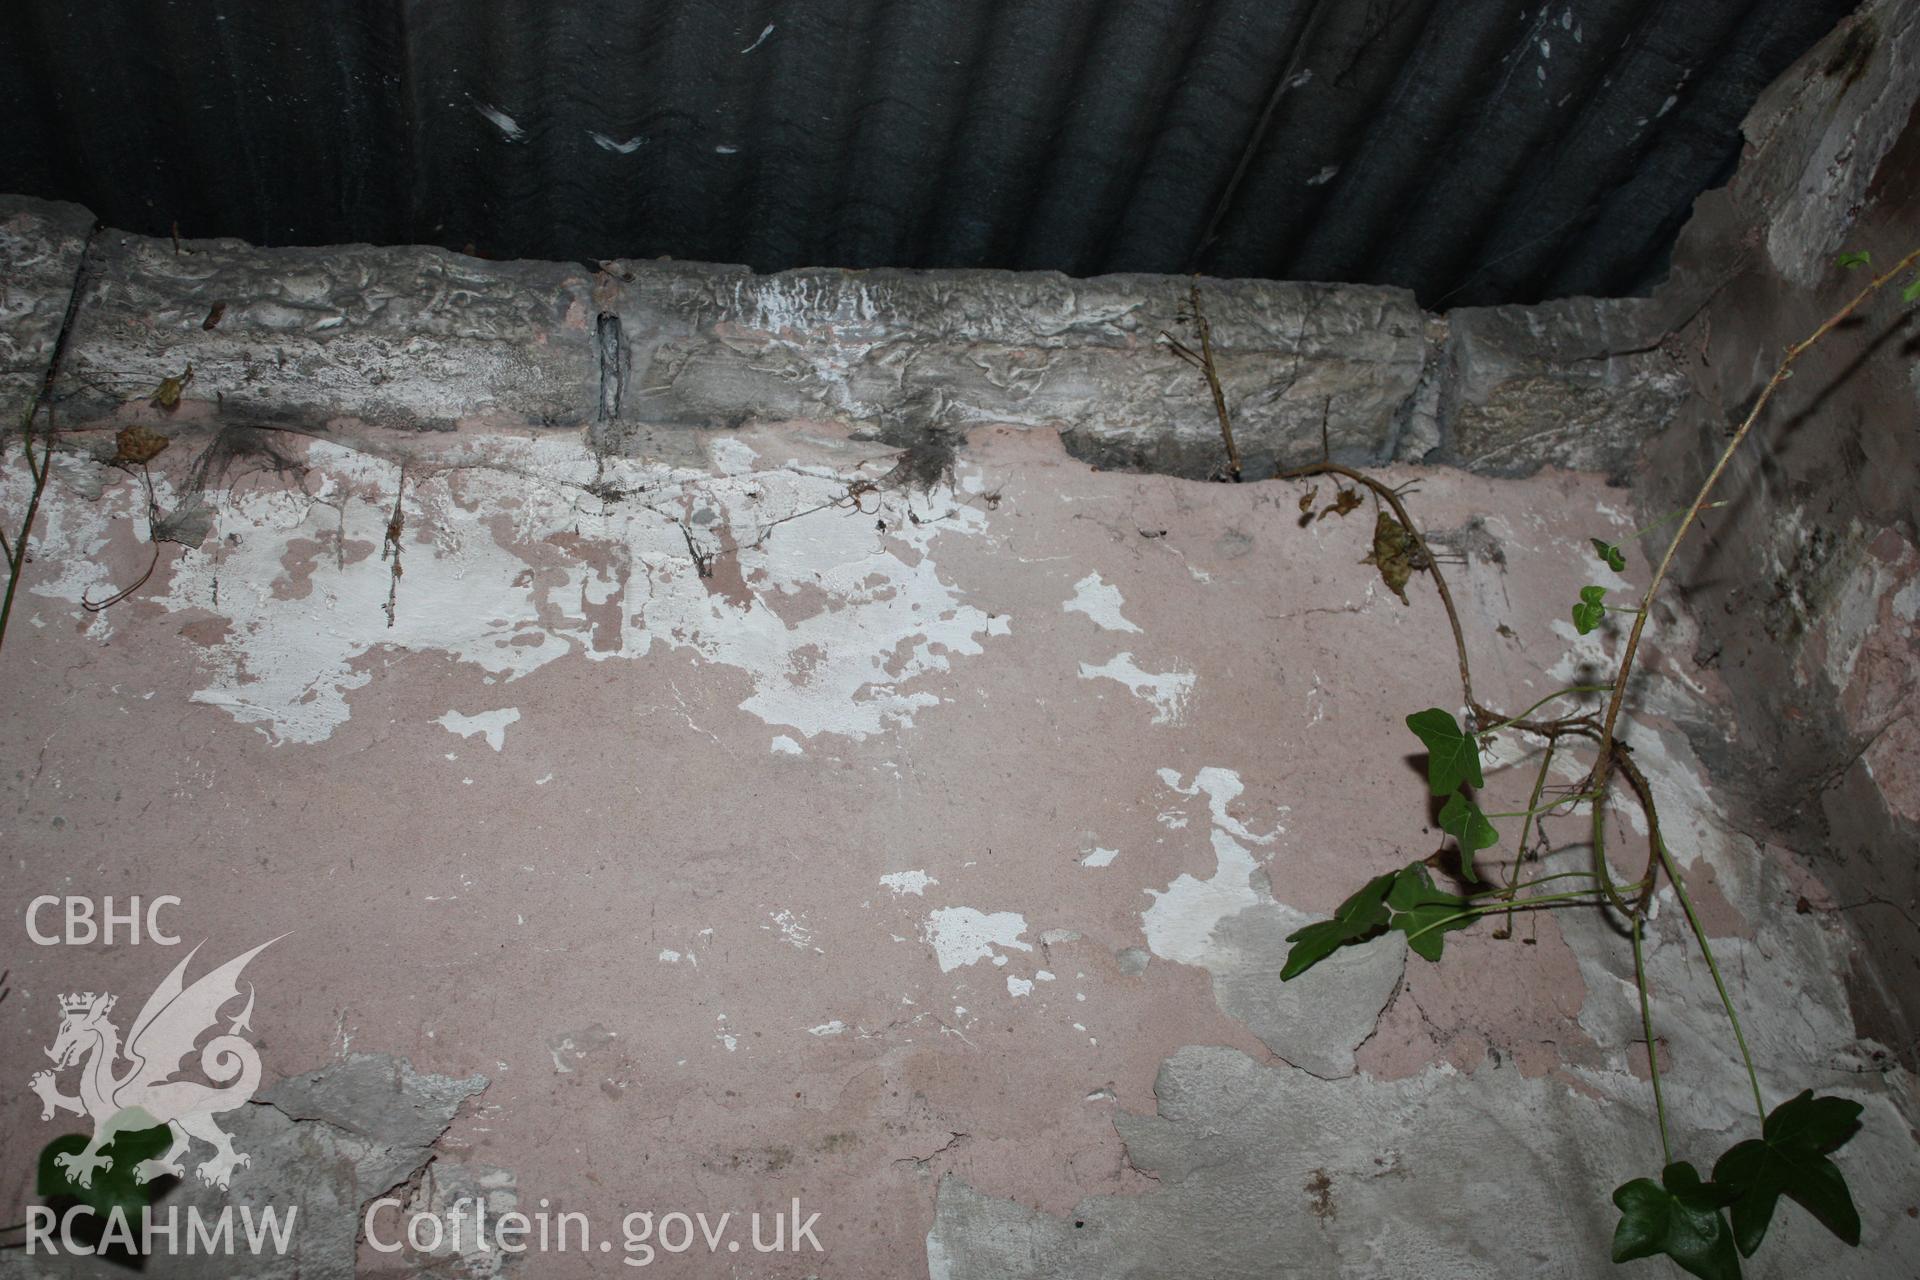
320, 1145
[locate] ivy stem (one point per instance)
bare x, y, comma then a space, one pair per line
1539, 902
1653, 1050
1526, 827
1557, 693
1706, 949
1387, 495
1604, 873
1699, 504
1503, 894
1669, 518
1537, 809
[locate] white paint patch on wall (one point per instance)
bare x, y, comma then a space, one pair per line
1167, 692
73, 538
792, 928
1099, 600
1180, 923
493, 724
731, 455
961, 935
299, 579
905, 882
296, 646
828, 673
1221, 787
1100, 858
1590, 652
782, 745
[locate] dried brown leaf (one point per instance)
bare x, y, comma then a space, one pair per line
1394, 553
138, 444
1345, 501
167, 395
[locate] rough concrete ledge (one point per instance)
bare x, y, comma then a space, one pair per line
1580, 383
638, 353
41, 243
902, 353
414, 337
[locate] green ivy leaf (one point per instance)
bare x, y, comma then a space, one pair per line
1848, 261
1462, 819
1418, 906
1360, 917
1405, 900
1453, 757
1790, 1158
1426, 929
1912, 291
113, 1186
1615, 558
1588, 613
1680, 1217
1413, 888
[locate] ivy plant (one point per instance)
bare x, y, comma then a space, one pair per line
1705, 1225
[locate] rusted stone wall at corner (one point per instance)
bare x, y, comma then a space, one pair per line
1808, 583
640, 355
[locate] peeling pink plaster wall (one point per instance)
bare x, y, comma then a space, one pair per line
906, 846
929, 860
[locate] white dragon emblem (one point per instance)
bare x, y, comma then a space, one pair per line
144, 1094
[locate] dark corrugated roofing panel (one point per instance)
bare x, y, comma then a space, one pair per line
1474, 151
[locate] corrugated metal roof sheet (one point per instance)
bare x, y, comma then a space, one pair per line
1473, 151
